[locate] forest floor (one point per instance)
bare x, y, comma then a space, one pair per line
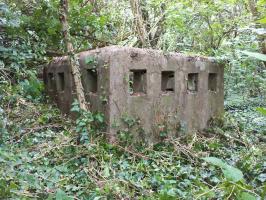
40, 158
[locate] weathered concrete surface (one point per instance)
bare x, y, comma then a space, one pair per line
164, 91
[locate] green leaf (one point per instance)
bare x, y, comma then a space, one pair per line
61, 195
256, 55
89, 60
262, 21
106, 172
231, 173
99, 117
261, 110
215, 161
246, 196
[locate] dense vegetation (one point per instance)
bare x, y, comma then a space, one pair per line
41, 153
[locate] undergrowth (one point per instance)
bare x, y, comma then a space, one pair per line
44, 155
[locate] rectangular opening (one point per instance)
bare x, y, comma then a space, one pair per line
92, 80
138, 82
61, 81
168, 81
51, 82
212, 82
192, 82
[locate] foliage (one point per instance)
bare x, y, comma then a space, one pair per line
87, 123
255, 55
15, 51
233, 177
230, 173
44, 155
262, 110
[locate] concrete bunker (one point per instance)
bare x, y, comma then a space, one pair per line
173, 89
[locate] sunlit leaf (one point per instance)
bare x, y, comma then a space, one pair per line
261, 110
258, 56
262, 21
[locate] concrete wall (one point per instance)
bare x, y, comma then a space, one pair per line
59, 84
161, 91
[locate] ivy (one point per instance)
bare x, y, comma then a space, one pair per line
46, 155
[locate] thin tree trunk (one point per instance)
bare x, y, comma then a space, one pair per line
253, 8
73, 60
139, 21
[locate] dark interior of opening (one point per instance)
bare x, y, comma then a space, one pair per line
51, 81
91, 80
61, 81
192, 82
138, 82
168, 81
212, 82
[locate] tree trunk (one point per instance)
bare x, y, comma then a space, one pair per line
73, 60
139, 21
253, 8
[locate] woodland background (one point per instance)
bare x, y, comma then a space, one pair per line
40, 157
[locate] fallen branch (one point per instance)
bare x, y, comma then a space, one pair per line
131, 152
